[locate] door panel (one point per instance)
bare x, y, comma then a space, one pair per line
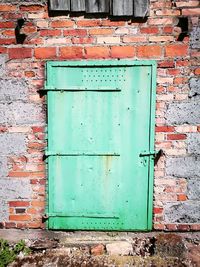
96, 132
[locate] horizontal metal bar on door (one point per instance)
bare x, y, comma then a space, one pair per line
78, 89
82, 154
110, 216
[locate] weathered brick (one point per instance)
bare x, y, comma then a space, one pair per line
191, 11
149, 30
47, 32
165, 128
45, 52
176, 50
122, 51
32, 8
101, 31
83, 40
149, 51
7, 8
71, 52
7, 24
19, 217
19, 203
97, 52
161, 21
19, 53
75, 32
88, 23
176, 137
61, 23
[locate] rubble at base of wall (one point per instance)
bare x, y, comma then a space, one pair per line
111, 249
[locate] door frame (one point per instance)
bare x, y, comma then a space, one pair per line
121, 62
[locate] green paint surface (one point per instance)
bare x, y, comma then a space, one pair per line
100, 118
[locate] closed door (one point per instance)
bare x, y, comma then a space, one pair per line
100, 138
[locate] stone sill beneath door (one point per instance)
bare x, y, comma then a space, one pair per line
88, 237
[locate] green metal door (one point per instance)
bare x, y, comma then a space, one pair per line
100, 137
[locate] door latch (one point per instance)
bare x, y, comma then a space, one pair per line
155, 155
149, 153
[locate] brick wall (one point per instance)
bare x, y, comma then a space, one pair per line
163, 37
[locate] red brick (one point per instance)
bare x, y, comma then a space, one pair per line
165, 128
76, 32
83, 40
19, 217
174, 72
61, 24
157, 210
176, 50
180, 80
3, 129
32, 211
168, 12
112, 23
8, 15
71, 52
19, 53
167, 29
8, 24
50, 32
36, 181
183, 227
161, 21
181, 197
149, 51
9, 32
195, 227
97, 52
32, 8
19, 203
159, 226
191, 12
3, 50
45, 52
171, 227
8, 8
88, 23
37, 203
176, 137
9, 225
187, 3
36, 145
182, 63
26, 174
149, 30
37, 129
122, 51
101, 31
29, 29
29, 74
35, 225
197, 71
166, 64
7, 41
